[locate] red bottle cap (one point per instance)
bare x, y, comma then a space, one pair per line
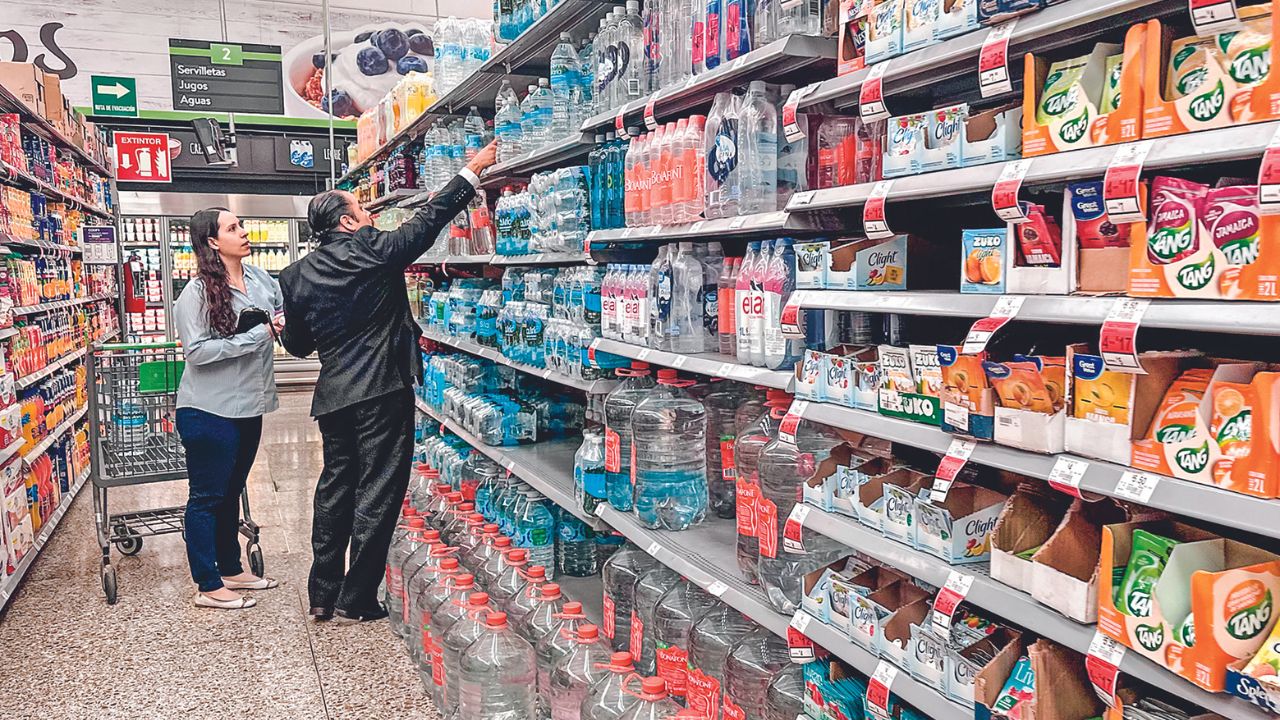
588, 633
496, 619
550, 591
478, 598
654, 686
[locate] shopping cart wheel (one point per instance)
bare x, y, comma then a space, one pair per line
256, 565
109, 583
131, 543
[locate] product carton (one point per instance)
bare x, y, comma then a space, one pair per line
849, 376
904, 143
812, 259
900, 394
1088, 270
809, 376
1243, 685
935, 661
852, 31
1031, 405
1083, 125
845, 494
56, 109
1029, 518
817, 591
26, 82
869, 501
991, 136
1230, 438
941, 148
956, 17
1063, 689
895, 635
927, 659
869, 614
1229, 589
1064, 572
983, 256
820, 488
970, 677
993, 12
898, 518
865, 264
968, 401
1108, 410
959, 528
884, 29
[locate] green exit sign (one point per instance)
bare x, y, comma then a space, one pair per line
114, 96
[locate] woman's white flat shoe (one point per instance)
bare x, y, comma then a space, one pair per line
259, 584
202, 600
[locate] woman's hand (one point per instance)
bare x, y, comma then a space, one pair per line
277, 323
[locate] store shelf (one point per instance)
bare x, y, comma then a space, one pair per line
777, 59
34, 453
542, 259
455, 259
395, 197
56, 304
24, 179
587, 590
28, 380
1186, 498
553, 155
1068, 23
710, 364
758, 224
1015, 606
1251, 318
593, 387
10, 584
10, 103
1241, 142
14, 448
37, 244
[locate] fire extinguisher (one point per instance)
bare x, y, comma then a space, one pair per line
135, 284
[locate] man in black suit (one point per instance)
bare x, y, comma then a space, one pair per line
347, 301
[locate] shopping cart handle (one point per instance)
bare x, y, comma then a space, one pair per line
139, 346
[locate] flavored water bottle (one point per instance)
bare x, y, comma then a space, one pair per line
751, 666
445, 613
727, 305
784, 468
618, 576
618, 406
557, 642
576, 548
723, 186
784, 699
608, 697
586, 663
758, 148
653, 702
565, 92
589, 486
756, 321
722, 404
523, 602
780, 351
498, 672
751, 442
543, 616
710, 640
512, 580
674, 616
669, 429
649, 587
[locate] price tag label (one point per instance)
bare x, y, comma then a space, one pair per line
1102, 663
717, 588
620, 121
791, 421
949, 468
790, 319
1118, 339
737, 222
801, 199
791, 128
628, 232
799, 646
1210, 17
696, 228
1269, 177
949, 598
793, 529
873, 218
586, 245
650, 121
993, 61
644, 354
878, 688
1005, 309
508, 464
957, 416
1004, 195
871, 105
1120, 184
1137, 486
725, 370
1067, 473
653, 549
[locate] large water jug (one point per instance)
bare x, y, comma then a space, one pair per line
544, 614
751, 666
653, 702
526, 600
433, 572
649, 588
571, 677
492, 568
575, 547
710, 640
670, 433
618, 406
785, 696
557, 642
608, 697
396, 557
512, 580
443, 618
722, 405
434, 589
466, 630
497, 672
473, 560
752, 440
674, 616
618, 576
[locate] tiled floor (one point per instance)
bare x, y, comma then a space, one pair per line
154, 655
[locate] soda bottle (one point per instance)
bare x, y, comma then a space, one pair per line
649, 588
674, 616
573, 674
710, 639
608, 697
497, 671
618, 576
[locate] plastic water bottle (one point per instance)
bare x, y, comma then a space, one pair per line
587, 74
780, 352
721, 140
713, 39
542, 107
430, 573
674, 616
524, 602
766, 22
443, 618
586, 663
661, 284
649, 588
606, 57
669, 430
737, 30
758, 151
543, 616
497, 672
688, 332
512, 580
653, 702
618, 406
576, 549
433, 591
466, 630
710, 640
475, 133
784, 699
755, 320
396, 557
589, 486
751, 442
565, 84
557, 642
783, 469
618, 577
492, 568
507, 124
537, 532
746, 302
630, 74
473, 559
608, 697
470, 538
727, 305
751, 666
722, 405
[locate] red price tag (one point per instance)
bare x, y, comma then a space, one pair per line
1006, 308
878, 688
799, 646
993, 61
790, 318
874, 223
949, 468
1210, 17
1118, 339
790, 124
1004, 195
793, 529
1120, 185
1269, 177
1103, 665
620, 121
871, 105
791, 421
650, 121
1066, 475
949, 598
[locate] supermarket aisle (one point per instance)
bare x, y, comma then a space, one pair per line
154, 655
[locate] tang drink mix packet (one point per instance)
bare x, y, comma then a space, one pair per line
1040, 239
1111, 87
1171, 234
1230, 219
1147, 560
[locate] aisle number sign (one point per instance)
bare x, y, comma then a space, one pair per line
143, 157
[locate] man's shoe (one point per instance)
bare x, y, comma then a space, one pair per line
347, 617
320, 614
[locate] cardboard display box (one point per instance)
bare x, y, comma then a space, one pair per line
1029, 518
26, 82
959, 528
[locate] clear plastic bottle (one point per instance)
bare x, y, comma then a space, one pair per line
455, 640
669, 429
755, 336
630, 74
649, 588
434, 590
758, 148
566, 97
721, 142
780, 351
573, 674
587, 75
785, 697
575, 547
541, 617
745, 300
710, 640
727, 305
512, 580
653, 702
751, 442
537, 532
687, 331
674, 616
507, 125
491, 568
589, 485
473, 560
608, 697
433, 572
523, 602
497, 672
618, 576
721, 403
618, 406
751, 666
469, 540
454, 608
396, 558
557, 642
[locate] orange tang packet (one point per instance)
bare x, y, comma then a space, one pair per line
1171, 439
1245, 427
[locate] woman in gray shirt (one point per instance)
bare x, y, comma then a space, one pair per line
227, 387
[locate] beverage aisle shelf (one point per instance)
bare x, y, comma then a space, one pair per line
57, 304
14, 448
38, 244
10, 584
587, 590
430, 259
395, 197
768, 223
776, 60
549, 156
1015, 606
1251, 318
10, 103
1042, 31
594, 387
1256, 515
1239, 142
713, 365
28, 380
542, 259
34, 453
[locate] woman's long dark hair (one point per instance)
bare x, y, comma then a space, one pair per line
212, 272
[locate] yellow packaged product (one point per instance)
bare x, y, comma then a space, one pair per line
1102, 396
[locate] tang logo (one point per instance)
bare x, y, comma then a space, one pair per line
1207, 107
1197, 275
1150, 637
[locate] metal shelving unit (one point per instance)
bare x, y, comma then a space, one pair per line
594, 387
430, 259
771, 223
574, 147
712, 365
542, 259
31, 182
10, 584
58, 304
27, 381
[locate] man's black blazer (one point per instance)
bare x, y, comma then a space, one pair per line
347, 301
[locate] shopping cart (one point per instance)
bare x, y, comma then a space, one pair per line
134, 441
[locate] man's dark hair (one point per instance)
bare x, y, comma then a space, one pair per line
326, 210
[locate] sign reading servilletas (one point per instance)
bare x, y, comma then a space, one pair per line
226, 77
